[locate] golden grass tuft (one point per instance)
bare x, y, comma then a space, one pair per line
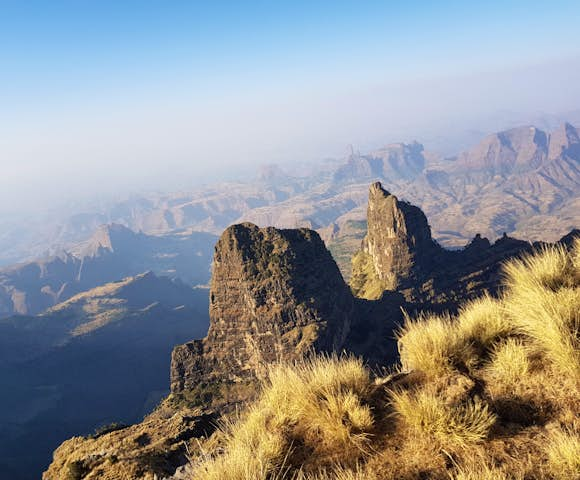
317, 407
430, 344
563, 450
509, 361
543, 301
456, 425
483, 321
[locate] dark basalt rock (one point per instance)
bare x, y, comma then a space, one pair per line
275, 295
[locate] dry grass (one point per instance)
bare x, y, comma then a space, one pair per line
543, 301
483, 471
509, 361
563, 450
483, 321
493, 393
452, 425
317, 407
430, 344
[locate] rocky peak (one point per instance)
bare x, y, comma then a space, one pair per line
396, 248
110, 237
398, 253
401, 160
275, 294
564, 141
397, 161
518, 149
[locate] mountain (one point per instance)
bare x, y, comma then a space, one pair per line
399, 253
112, 253
101, 356
523, 181
277, 295
393, 162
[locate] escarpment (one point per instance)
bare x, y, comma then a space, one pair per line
278, 295
398, 253
275, 295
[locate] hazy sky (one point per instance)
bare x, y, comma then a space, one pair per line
98, 95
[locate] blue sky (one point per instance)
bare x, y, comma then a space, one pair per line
142, 86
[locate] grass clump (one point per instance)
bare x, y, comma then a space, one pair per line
543, 301
483, 321
430, 344
316, 408
509, 361
563, 450
457, 425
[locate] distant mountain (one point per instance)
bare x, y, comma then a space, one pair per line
112, 253
394, 162
523, 181
102, 356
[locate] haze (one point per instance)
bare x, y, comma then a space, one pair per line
102, 97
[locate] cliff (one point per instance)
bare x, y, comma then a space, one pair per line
275, 294
398, 253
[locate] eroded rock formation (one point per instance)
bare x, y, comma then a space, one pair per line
275, 294
397, 248
398, 253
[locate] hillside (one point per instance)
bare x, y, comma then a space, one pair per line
111, 253
276, 296
102, 356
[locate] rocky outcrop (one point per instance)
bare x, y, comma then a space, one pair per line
150, 450
399, 254
397, 248
275, 295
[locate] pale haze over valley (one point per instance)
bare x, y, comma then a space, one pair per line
99, 104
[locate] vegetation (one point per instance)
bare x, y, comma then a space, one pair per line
493, 393
111, 427
364, 281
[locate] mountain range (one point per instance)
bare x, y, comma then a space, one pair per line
113, 252
277, 295
513, 181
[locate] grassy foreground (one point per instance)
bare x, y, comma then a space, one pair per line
493, 393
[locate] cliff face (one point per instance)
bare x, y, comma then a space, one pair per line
397, 247
399, 254
275, 294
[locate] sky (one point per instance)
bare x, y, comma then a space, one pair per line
106, 96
